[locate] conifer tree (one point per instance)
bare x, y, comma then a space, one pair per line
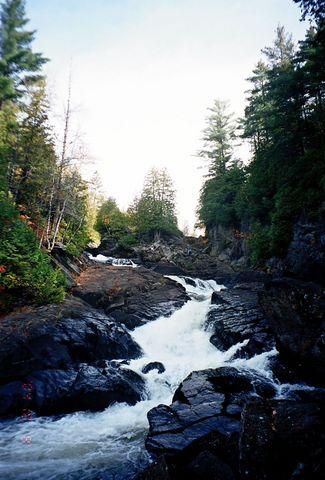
154, 212
19, 65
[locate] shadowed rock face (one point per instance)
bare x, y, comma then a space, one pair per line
58, 336
130, 296
296, 313
53, 348
225, 424
288, 443
85, 387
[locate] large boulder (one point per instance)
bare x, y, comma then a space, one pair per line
226, 424
84, 387
205, 412
57, 336
296, 312
54, 351
132, 296
236, 316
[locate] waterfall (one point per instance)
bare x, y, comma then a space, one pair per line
110, 444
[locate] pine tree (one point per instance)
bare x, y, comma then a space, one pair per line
154, 212
19, 65
312, 8
218, 138
217, 205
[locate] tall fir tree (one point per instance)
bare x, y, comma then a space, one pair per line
19, 66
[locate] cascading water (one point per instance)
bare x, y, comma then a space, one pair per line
110, 444
116, 262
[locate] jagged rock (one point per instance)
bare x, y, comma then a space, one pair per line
54, 348
84, 387
206, 408
154, 366
131, 296
236, 316
296, 312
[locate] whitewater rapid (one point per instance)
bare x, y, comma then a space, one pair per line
110, 444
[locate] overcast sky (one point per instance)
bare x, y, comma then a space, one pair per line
145, 72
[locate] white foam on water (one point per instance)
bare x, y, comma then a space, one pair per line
117, 262
110, 444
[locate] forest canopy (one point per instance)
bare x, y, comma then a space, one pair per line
284, 124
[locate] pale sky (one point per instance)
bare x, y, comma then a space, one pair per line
144, 74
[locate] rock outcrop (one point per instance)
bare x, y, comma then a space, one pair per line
53, 348
295, 310
225, 424
131, 296
237, 316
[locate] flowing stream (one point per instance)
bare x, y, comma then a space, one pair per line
110, 444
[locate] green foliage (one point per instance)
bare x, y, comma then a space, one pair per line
219, 194
284, 122
25, 271
312, 8
128, 240
110, 220
19, 65
286, 175
154, 212
259, 244
219, 197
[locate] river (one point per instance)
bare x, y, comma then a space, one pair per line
110, 444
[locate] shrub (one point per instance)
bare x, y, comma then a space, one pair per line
25, 270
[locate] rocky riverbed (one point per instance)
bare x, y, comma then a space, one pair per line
232, 379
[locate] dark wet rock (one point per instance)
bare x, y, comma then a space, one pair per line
296, 313
237, 316
208, 466
306, 252
206, 408
158, 470
132, 296
258, 343
58, 336
167, 268
85, 387
282, 439
226, 424
62, 351
153, 366
190, 255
